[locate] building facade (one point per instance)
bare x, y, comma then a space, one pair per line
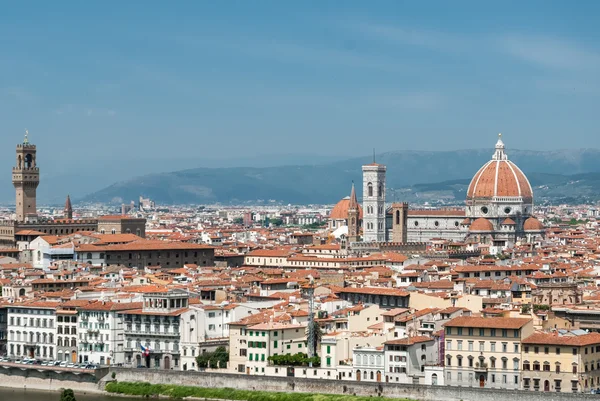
32, 330
485, 352
152, 333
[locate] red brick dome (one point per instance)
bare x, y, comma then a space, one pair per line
500, 178
340, 211
482, 224
533, 224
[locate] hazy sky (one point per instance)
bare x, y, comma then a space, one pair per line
209, 79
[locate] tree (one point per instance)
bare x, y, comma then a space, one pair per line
318, 335
215, 360
67, 395
238, 220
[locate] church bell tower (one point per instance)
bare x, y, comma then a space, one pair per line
26, 178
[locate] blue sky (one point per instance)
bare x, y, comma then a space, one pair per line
130, 80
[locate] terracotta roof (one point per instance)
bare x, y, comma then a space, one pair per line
481, 224
488, 322
340, 210
555, 339
500, 178
533, 224
410, 340
143, 245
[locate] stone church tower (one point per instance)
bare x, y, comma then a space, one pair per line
68, 212
26, 178
400, 222
353, 217
374, 203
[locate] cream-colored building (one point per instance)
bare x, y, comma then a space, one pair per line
561, 361
485, 352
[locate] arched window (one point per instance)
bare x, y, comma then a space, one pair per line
29, 161
89, 255
73, 342
370, 189
397, 216
113, 231
380, 190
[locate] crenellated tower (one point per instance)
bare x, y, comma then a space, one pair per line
26, 178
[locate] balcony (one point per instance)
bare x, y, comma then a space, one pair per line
92, 331
481, 367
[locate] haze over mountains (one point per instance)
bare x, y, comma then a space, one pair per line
554, 174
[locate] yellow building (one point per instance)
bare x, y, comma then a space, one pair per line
565, 361
484, 351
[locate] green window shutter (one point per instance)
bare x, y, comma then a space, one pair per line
329, 349
250, 356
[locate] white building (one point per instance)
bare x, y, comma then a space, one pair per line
156, 327
368, 364
102, 332
32, 330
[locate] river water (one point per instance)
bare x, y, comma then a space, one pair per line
9, 394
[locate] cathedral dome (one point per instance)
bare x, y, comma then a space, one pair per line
500, 178
533, 224
340, 211
481, 224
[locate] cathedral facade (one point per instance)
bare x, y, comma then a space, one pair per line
498, 209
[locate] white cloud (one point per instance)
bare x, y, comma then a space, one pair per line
434, 40
550, 52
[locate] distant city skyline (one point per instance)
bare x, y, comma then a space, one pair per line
133, 86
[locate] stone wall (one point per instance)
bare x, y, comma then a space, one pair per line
36, 379
417, 392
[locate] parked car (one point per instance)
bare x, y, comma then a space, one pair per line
141, 366
63, 364
56, 363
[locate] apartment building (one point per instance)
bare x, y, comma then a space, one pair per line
561, 361
66, 335
32, 330
101, 332
405, 359
485, 352
152, 333
268, 339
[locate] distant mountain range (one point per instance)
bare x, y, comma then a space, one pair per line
415, 176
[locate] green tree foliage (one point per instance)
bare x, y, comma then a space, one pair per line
318, 335
299, 359
67, 395
315, 226
277, 222
214, 360
238, 220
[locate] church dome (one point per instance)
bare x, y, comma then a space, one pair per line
340, 210
481, 224
533, 224
500, 178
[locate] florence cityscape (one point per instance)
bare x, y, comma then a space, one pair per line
300, 201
